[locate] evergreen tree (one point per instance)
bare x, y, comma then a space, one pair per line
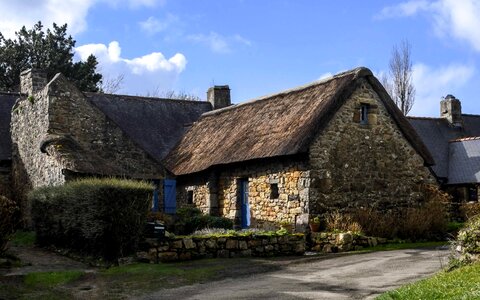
51, 51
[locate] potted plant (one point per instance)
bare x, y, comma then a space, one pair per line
315, 224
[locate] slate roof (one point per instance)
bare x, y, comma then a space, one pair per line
436, 134
277, 125
464, 161
7, 100
153, 123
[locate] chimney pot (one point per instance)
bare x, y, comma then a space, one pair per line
219, 96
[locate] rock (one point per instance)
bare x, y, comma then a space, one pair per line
223, 253
231, 244
211, 244
242, 245
188, 243
177, 244
344, 238
168, 256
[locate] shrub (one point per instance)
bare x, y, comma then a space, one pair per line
467, 245
469, 210
8, 221
336, 221
190, 219
94, 216
425, 221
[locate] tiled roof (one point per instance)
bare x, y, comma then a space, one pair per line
464, 161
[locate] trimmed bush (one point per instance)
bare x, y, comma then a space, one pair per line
101, 217
468, 240
8, 221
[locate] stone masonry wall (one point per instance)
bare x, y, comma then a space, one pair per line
291, 204
101, 147
329, 242
373, 165
222, 247
31, 168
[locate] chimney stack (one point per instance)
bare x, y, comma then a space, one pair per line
32, 81
219, 96
451, 109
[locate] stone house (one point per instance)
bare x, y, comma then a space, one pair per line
340, 143
453, 139
57, 133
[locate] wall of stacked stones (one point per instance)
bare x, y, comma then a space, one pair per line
60, 110
373, 165
267, 210
31, 167
329, 242
187, 248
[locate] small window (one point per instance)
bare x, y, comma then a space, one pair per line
274, 191
364, 114
473, 194
189, 197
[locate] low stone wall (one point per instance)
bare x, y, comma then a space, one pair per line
187, 248
329, 242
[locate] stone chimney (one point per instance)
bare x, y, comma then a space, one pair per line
32, 81
451, 109
219, 96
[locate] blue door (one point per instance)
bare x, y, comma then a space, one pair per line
156, 184
244, 203
169, 196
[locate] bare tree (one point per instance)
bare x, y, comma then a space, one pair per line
170, 94
399, 84
111, 85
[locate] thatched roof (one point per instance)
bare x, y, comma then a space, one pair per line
7, 100
436, 134
277, 125
156, 124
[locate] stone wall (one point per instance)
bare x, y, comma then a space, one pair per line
373, 165
222, 190
329, 242
222, 247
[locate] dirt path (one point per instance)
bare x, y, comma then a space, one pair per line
361, 276
36, 259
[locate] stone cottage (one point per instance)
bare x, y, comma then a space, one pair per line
454, 142
59, 133
340, 143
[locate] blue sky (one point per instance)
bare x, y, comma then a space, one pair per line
260, 47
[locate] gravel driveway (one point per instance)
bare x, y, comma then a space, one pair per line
361, 276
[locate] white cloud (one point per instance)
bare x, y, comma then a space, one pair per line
153, 25
218, 43
451, 18
433, 83
141, 74
16, 14
404, 9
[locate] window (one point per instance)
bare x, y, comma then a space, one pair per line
189, 197
473, 194
274, 191
364, 114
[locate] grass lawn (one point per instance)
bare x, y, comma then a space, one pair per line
462, 283
123, 282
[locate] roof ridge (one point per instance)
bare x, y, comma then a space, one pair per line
145, 98
424, 118
471, 115
359, 71
470, 138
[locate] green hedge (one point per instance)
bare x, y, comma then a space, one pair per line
93, 216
